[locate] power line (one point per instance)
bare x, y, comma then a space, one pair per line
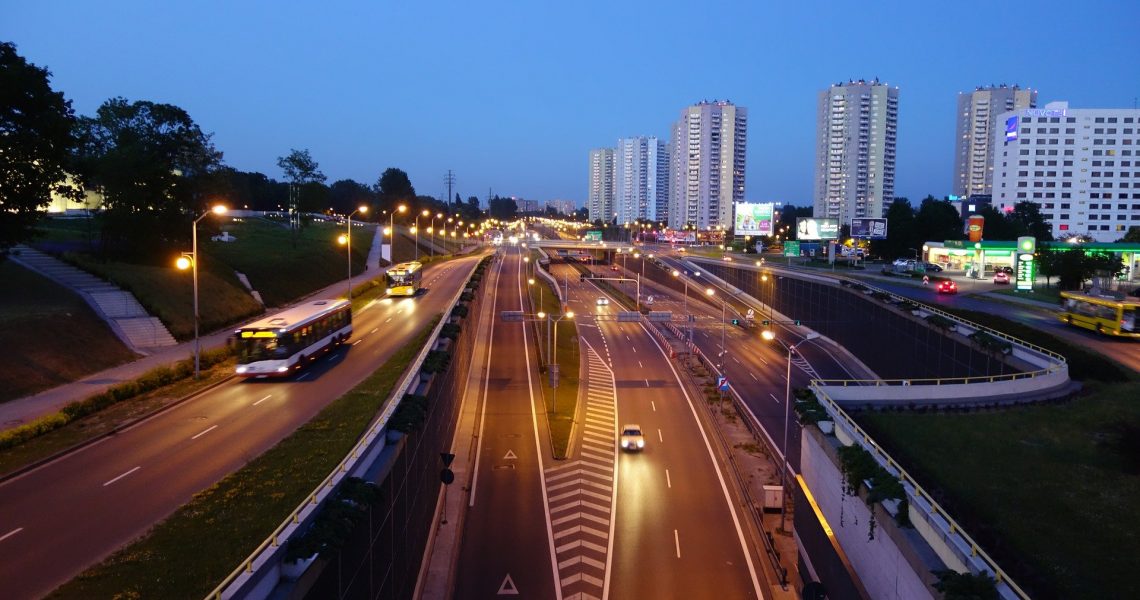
449, 179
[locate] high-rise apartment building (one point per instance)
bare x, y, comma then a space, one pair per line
1080, 165
857, 125
974, 143
707, 164
600, 201
641, 180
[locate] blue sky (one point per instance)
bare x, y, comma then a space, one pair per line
513, 95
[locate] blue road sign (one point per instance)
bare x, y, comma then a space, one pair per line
722, 384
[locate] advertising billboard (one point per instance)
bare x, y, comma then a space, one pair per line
975, 226
874, 229
594, 236
809, 228
1011, 129
754, 219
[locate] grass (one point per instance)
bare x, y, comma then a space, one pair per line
56, 338
1050, 295
560, 414
190, 552
1040, 487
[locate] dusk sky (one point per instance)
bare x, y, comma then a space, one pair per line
513, 95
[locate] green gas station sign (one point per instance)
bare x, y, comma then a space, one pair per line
1026, 270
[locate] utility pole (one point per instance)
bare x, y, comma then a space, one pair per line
450, 181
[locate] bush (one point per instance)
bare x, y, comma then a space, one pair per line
965, 586
940, 322
460, 311
409, 415
449, 331
466, 296
436, 361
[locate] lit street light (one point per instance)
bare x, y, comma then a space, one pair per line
769, 335
190, 260
347, 241
392, 232
720, 355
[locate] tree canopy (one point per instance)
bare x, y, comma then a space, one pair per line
503, 209
36, 138
394, 187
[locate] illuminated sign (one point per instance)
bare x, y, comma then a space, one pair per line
754, 219
808, 228
1046, 112
791, 248
875, 229
1011, 129
1026, 270
593, 236
258, 334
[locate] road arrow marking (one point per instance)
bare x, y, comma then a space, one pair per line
507, 588
509, 456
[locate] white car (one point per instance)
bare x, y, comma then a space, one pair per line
603, 301
631, 438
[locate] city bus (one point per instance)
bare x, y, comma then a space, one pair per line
1104, 314
404, 279
277, 345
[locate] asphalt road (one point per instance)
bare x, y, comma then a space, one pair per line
506, 547
677, 533
61, 518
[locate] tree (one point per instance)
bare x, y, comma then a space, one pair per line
997, 226
394, 187
936, 220
347, 195
153, 164
503, 209
307, 189
300, 168
1133, 235
36, 139
1075, 266
582, 214
1030, 221
901, 232
470, 211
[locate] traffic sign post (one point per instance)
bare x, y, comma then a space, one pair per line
447, 476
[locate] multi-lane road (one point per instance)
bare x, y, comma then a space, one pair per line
68, 514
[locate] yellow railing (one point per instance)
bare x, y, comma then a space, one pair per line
936, 509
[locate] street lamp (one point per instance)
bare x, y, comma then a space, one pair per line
190, 260
769, 335
346, 239
392, 230
720, 355
432, 232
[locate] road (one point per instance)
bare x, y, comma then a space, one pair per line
677, 533
506, 547
61, 518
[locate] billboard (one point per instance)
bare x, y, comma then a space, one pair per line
874, 229
1011, 129
809, 228
753, 219
594, 236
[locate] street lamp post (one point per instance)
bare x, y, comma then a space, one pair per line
720, 355
348, 244
191, 261
791, 348
392, 231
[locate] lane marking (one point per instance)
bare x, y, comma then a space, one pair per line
654, 405
11, 533
374, 329
634, 349
388, 320
677, 541
646, 383
265, 398
659, 438
774, 397
211, 428
304, 375
640, 365
737, 361
357, 342
121, 476
752, 376
668, 481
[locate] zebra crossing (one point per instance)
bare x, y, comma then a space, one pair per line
581, 492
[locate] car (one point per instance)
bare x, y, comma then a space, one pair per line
614, 268
946, 287
603, 301
631, 438
933, 268
1005, 269
1001, 277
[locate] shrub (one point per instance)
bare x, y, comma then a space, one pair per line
449, 331
460, 311
336, 520
466, 296
965, 586
409, 415
436, 361
940, 322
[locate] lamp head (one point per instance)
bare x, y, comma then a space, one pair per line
219, 209
768, 334
183, 262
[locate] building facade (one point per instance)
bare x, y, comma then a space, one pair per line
856, 125
565, 207
600, 200
706, 165
977, 120
1080, 165
641, 180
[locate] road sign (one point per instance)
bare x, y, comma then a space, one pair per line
722, 384
511, 316
447, 476
660, 316
628, 316
791, 248
751, 313
649, 299
446, 458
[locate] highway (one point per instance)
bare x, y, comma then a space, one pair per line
64, 516
506, 547
677, 532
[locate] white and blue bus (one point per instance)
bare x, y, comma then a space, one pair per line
278, 345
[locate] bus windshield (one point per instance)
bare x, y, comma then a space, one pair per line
253, 349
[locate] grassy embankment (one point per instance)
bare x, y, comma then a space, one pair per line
190, 552
1049, 490
561, 403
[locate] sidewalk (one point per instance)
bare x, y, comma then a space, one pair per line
24, 410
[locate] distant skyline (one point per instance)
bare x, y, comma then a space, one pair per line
512, 96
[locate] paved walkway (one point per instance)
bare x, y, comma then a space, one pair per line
23, 410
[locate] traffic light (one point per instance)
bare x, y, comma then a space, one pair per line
797, 322
736, 321
765, 323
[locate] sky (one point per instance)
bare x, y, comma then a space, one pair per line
511, 96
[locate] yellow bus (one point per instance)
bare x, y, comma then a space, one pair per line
1104, 314
404, 279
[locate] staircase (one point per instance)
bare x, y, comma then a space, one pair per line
128, 319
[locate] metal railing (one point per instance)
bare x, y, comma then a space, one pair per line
259, 557
864, 439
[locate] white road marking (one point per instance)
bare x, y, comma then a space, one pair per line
774, 397
668, 482
762, 360
737, 361
375, 329
121, 476
211, 428
386, 321
654, 405
11, 533
752, 376
632, 348
659, 438
640, 365
357, 342
677, 540
303, 376
646, 383
263, 399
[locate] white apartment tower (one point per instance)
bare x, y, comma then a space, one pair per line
641, 180
1081, 166
856, 129
974, 143
600, 201
706, 171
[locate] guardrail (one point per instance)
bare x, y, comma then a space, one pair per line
921, 500
266, 551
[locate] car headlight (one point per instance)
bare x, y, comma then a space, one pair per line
640, 443
625, 443
282, 369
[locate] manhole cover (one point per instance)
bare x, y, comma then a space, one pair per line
500, 467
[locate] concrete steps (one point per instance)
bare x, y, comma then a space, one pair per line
127, 318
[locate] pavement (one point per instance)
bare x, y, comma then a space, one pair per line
25, 410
